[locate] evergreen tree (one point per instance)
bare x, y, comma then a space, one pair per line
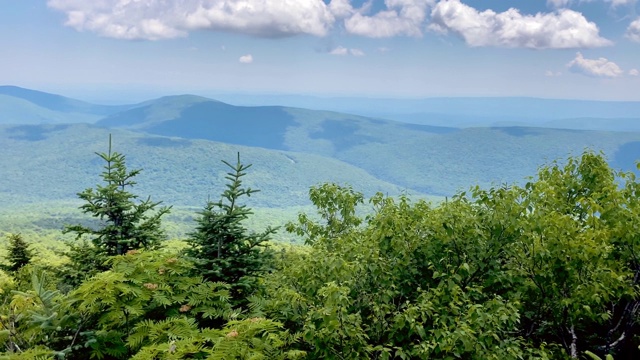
18, 251
222, 247
127, 225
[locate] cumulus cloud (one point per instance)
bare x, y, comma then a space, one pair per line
341, 51
633, 31
402, 17
634, 72
558, 30
246, 59
341, 8
600, 67
163, 19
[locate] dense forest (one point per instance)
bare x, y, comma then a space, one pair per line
550, 270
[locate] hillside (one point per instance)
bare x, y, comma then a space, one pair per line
455, 111
427, 159
25, 106
273, 127
180, 139
54, 162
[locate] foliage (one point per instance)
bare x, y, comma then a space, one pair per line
127, 225
19, 253
336, 207
548, 270
38, 316
552, 262
221, 246
254, 338
145, 287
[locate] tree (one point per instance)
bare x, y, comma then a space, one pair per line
128, 225
19, 253
221, 247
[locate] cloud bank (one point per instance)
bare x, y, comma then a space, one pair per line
558, 30
166, 19
600, 67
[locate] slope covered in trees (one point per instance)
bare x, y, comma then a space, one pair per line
548, 270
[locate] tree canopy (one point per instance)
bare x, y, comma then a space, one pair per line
546, 270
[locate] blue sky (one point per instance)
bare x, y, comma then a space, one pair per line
118, 50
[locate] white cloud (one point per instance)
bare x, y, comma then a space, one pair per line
601, 67
383, 49
341, 8
558, 30
163, 19
246, 59
550, 73
633, 31
342, 51
634, 72
402, 17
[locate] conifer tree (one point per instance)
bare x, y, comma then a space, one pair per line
221, 247
127, 225
18, 251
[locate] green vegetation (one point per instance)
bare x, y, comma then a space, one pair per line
546, 270
127, 225
18, 253
65, 153
221, 246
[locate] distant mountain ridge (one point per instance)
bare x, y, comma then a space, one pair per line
453, 111
426, 159
271, 127
24, 106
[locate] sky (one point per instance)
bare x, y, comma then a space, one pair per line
131, 50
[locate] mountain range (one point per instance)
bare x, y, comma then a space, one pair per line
49, 142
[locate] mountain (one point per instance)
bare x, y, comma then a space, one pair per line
25, 106
427, 159
172, 132
54, 162
274, 127
456, 112
591, 123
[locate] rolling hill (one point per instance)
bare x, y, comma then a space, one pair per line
180, 140
54, 162
460, 111
25, 106
168, 136
427, 159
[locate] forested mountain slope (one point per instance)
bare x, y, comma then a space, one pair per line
25, 106
54, 162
